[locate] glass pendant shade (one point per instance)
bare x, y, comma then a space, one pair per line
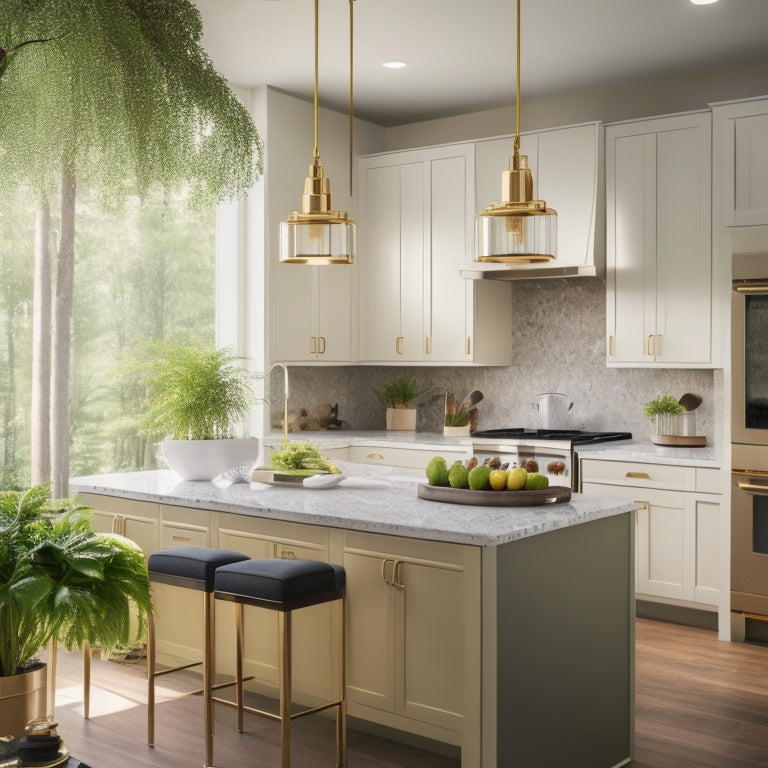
318, 234
518, 229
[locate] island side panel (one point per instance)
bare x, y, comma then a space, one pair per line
565, 647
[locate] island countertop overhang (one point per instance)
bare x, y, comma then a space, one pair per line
396, 511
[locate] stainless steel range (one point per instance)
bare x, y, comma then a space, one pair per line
551, 451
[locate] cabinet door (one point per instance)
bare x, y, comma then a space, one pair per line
370, 633
394, 221
334, 293
631, 244
432, 687
659, 262
705, 571
742, 144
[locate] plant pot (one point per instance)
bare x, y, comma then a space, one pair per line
456, 431
401, 418
22, 699
206, 459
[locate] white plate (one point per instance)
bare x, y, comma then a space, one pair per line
318, 482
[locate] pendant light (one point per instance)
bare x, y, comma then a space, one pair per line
517, 230
317, 234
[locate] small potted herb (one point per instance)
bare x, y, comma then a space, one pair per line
665, 412
397, 395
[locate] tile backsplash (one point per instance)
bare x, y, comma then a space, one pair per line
558, 346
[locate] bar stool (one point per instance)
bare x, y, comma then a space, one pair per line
285, 586
188, 568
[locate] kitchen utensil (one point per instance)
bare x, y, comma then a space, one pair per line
690, 402
318, 482
450, 403
471, 400
554, 411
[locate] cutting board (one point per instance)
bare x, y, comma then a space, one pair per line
692, 441
555, 494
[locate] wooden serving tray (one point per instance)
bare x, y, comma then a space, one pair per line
555, 494
681, 440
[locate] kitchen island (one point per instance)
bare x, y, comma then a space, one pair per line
505, 632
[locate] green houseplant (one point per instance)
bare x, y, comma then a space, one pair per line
198, 401
397, 395
59, 581
665, 413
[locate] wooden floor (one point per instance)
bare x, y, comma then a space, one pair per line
701, 703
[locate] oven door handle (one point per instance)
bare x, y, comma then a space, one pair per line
758, 490
750, 285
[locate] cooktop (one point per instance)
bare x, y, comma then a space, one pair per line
575, 437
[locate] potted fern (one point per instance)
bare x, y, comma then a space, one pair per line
397, 395
59, 581
198, 403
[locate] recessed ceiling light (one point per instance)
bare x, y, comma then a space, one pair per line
703, 2
393, 64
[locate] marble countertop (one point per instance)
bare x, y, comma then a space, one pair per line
395, 511
620, 450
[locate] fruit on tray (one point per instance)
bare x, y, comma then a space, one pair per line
492, 475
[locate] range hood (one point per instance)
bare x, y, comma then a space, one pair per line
569, 176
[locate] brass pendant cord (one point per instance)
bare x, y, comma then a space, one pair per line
351, 89
316, 151
516, 145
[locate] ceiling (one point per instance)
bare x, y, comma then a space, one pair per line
461, 53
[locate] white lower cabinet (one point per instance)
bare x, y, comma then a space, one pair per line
677, 538
407, 640
139, 522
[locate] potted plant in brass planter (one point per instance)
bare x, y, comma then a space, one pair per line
198, 401
62, 582
397, 395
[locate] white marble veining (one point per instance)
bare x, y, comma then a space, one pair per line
397, 511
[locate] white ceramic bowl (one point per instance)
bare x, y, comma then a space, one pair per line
206, 459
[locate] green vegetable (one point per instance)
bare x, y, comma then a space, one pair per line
662, 404
437, 471
480, 478
302, 455
458, 476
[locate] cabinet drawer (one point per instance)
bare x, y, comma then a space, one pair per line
416, 458
638, 475
184, 536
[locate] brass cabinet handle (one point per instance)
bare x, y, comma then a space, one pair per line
611, 346
313, 345
399, 345
759, 490
468, 345
321, 345
387, 579
649, 346
287, 554
181, 538
376, 456
426, 346
397, 575
638, 475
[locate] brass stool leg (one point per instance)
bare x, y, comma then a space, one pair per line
151, 681
208, 672
239, 643
341, 710
53, 658
284, 641
86, 680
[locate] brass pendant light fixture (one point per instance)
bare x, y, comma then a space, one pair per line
317, 235
517, 230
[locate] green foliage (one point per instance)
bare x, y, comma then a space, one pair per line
459, 419
662, 404
398, 393
301, 455
59, 579
119, 90
195, 394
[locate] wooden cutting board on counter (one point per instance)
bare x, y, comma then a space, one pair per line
555, 494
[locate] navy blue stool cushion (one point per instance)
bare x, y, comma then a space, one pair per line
195, 565
279, 581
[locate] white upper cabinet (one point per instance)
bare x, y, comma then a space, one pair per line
741, 143
565, 164
415, 232
659, 254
